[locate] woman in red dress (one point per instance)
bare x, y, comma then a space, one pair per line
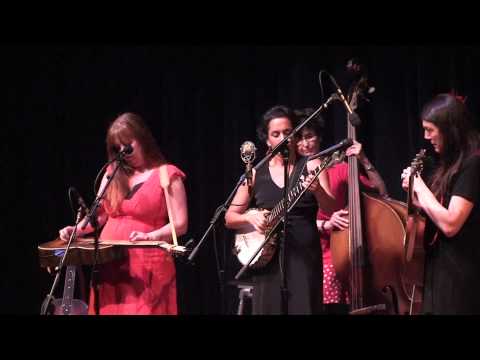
134, 208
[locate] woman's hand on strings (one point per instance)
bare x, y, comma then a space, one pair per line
418, 185
338, 220
66, 232
139, 236
356, 150
312, 183
405, 178
258, 219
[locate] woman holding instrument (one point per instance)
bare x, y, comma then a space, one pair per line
450, 200
303, 261
134, 208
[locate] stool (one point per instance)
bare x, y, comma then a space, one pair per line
245, 292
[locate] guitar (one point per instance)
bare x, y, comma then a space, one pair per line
68, 305
415, 221
250, 243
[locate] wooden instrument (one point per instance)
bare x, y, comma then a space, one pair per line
370, 254
82, 250
415, 222
414, 246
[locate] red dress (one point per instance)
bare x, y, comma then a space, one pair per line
334, 292
144, 282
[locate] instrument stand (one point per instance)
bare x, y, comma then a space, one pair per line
244, 293
220, 270
282, 262
94, 270
44, 310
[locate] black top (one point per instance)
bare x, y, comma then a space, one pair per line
452, 272
303, 253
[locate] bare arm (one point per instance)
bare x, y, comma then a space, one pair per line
374, 177
450, 220
179, 208
235, 217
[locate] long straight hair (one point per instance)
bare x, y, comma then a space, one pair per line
124, 129
460, 139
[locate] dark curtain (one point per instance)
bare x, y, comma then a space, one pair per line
201, 102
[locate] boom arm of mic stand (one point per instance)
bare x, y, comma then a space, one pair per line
223, 208
89, 218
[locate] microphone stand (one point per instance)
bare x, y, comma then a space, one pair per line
91, 218
283, 239
222, 208
274, 151
58, 269
216, 216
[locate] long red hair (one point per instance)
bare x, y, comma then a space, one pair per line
124, 129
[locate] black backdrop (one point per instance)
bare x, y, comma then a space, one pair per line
201, 101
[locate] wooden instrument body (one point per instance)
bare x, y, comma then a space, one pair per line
385, 224
82, 252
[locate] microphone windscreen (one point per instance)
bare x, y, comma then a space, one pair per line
128, 149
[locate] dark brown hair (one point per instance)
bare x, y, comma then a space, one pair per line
316, 124
278, 111
460, 138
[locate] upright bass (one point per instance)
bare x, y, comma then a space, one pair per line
369, 255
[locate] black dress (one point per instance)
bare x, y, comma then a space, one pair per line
303, 253
452, 271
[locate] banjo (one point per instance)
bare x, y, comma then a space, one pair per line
250, 243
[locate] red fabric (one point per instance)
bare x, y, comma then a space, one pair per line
333, 291
145, 281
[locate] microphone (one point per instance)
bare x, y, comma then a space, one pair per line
247, 154
340, 146
127, 150
80, 200
352, 115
